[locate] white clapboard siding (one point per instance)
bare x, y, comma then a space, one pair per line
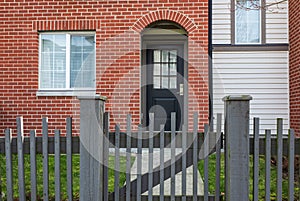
221, 22
277, 22
263, 75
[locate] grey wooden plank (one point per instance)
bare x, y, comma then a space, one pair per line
256, 160
21, 171
206, 155
33, 176
195, 156
279, 158
162, 161
9, 171
150, 163
45, 159
57, 166
268, 165
184, 146
291, 164
128, 157
173, 141
105, 156
139, 164
218, 157
69, 158
117, 162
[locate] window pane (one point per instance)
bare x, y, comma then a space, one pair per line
156, 82
247, 17
173, 82
173, 56
53, 61
173, 69
82, 61
156, 70
165, 55
165, 82
156, 55
165, 69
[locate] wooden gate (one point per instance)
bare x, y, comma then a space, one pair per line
192, 147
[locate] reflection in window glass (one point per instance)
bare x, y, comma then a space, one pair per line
53, 61
156, 82
53, 70
165, 69
247, 21
165, 57
156, 55
165, 83
156, 70
173, 55
173, 69
173, 82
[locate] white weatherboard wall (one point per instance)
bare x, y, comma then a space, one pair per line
221, 25
263, 75
277, 22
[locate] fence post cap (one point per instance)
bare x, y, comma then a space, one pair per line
237, 98
93, 97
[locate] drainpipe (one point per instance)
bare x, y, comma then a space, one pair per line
210, 65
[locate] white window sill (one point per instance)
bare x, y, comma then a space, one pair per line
75, 92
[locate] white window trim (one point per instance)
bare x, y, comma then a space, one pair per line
68, 91
260, 28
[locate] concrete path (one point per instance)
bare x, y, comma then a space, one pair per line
178, 177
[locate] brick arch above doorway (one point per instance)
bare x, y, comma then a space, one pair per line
175, 16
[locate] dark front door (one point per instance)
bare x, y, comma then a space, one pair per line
165, 67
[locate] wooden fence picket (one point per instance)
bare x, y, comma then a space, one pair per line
291, 167
33, 182
218, 156
256, 159
267, 165
195, 157
45, 159
9, 170
69, 158
57, 165
279, 158
128, 157
21, 172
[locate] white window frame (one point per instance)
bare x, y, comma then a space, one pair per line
260, 28
68, 91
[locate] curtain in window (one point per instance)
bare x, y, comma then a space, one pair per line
247, 21
82, 61
53, 61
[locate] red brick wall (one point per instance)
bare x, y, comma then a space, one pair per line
294, 36
117, 25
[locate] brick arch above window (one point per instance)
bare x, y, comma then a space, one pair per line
175, 16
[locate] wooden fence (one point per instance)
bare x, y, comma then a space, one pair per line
194, 146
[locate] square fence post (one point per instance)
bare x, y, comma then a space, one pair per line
91, 147
237, 147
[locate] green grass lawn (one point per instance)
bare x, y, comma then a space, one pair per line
76, 169
212, 176
122, 176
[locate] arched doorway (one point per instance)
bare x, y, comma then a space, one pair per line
164, 73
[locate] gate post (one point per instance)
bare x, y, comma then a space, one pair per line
237, 147
91, 145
